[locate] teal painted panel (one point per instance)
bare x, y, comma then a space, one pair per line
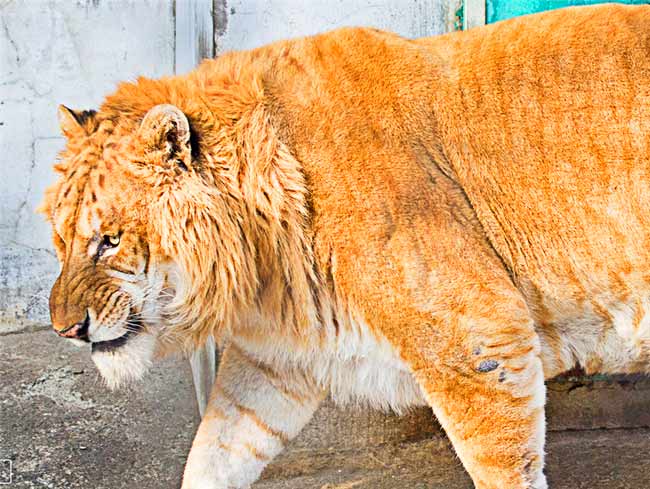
504, 9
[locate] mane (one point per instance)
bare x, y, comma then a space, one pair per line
239, 233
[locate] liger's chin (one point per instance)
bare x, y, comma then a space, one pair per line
124, 360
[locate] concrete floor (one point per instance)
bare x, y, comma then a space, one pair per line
62, 429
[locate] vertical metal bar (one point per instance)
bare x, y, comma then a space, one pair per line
204, 370
194, 33
194, 41
475, 13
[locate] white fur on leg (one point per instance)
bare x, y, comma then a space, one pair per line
252, 414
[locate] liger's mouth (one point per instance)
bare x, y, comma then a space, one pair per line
135, 326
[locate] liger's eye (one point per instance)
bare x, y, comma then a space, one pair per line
112, 241
108, 241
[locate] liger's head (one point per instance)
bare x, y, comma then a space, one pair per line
115, 278
149, 242
172, 205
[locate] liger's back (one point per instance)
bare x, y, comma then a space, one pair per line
546, 122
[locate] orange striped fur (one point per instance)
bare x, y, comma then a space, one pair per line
447, 221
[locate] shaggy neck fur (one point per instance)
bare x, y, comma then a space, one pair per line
236, 222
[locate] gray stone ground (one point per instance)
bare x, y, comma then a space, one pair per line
62, 429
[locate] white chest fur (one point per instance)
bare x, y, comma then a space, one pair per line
352, 362
365, 368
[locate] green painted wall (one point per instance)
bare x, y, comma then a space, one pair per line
504, 9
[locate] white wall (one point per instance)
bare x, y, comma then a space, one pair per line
51, 52
251, 23
74, 52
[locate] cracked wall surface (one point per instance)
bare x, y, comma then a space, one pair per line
52, 52
243, 24
74, 52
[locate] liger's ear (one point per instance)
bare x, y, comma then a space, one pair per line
165, 128
75, 123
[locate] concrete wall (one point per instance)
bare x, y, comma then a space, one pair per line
251, 23
73, 52
52, 52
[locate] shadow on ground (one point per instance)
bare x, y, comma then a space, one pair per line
61, 428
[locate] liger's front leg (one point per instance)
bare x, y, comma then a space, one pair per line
482, 374
253, 412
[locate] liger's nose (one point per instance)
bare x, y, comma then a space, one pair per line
77, 331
